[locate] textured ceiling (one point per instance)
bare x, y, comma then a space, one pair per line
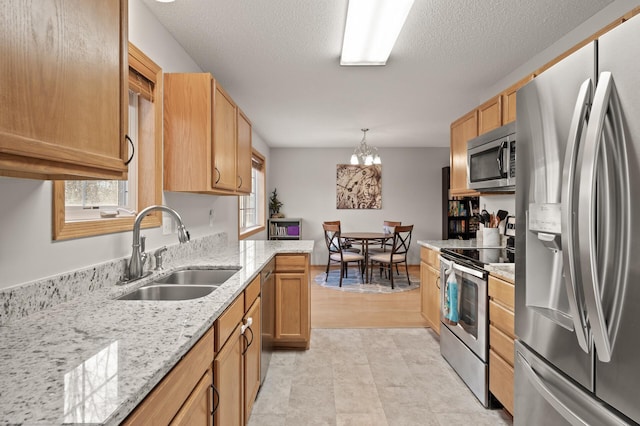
279, 60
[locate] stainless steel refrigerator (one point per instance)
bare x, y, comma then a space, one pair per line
577, 357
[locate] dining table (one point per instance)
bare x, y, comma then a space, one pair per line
366, 238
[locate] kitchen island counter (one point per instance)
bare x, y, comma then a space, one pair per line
93, 359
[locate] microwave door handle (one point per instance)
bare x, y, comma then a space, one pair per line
605, 100
503, 147
578, 314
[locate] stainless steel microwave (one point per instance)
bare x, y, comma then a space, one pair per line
491, 160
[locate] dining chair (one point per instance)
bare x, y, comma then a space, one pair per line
338, 255
397, 254
387, 227
347, 245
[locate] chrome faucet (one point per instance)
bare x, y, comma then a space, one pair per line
136, 269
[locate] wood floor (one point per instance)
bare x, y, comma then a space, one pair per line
341, 309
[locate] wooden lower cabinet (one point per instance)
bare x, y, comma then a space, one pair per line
252, 358
293, 302
430, 287
197, 409
228, 378
501, 340
184, 393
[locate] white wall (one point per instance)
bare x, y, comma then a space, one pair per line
411, 192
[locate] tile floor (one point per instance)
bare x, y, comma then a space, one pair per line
368, 377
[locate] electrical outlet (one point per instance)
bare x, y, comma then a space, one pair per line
167, 225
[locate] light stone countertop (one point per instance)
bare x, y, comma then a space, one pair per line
93, 359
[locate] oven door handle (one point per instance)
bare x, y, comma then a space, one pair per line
474, 272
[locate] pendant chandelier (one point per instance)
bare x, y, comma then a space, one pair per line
365, 154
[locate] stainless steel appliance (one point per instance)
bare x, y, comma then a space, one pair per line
464, 340
268, 316
577, 292
491, 159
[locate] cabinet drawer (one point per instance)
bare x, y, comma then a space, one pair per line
502, 291
228, 321
501, 380
502, 344
251, 293
502, 319
291, 263
430, 257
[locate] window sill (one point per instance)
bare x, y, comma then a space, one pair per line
247, 232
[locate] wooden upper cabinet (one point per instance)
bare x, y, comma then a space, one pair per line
244, 153
462, 130
64, 85
509, 100
224, 140
490, 115
201, 136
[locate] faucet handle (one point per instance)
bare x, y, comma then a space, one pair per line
158, 255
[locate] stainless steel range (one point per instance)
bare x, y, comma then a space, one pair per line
464, 313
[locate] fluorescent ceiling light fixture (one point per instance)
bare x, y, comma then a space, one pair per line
372, 29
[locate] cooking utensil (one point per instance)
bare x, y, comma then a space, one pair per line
486, 217
502, 214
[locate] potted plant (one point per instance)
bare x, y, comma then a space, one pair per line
275, 205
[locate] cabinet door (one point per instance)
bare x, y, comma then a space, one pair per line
462, 130
509, 100
187, 132
252, 358
430, 288
63, 113
198, 407
228, 379
224, 140
292, 309
244, 153
490, 115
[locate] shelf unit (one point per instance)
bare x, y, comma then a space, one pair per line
461, 222
284, 229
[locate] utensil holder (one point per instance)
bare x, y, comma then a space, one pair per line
490, 237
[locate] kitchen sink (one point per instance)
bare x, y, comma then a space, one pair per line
184, 284
169, 292
198, 276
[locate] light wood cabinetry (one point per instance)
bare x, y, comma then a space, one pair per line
228, 367
490, 115
244, 153
63, 113
293, 304
509, 100
252, 356
430, 287
462, 130
501, 340
184, 393
202, 149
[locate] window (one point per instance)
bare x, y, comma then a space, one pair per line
251, 208
95, 207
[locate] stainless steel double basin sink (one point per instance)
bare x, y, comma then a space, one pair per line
183, 284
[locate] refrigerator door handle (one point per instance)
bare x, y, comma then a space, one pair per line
580, 115
544, 391
605, 103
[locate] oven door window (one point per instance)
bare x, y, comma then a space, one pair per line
468, 305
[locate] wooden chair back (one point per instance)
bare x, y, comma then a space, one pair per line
332, 237
401, 239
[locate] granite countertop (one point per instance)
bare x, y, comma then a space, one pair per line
503, 270
93, 359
